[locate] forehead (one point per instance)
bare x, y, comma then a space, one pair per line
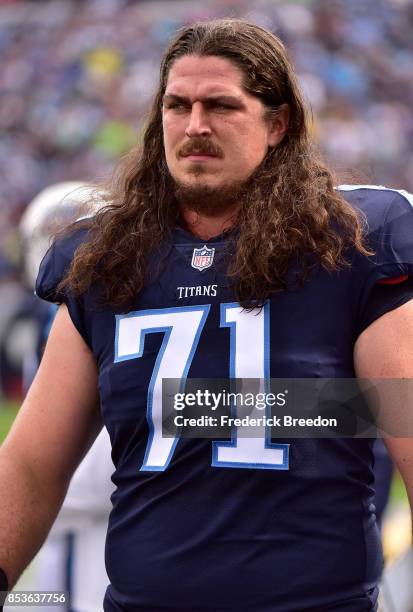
193, 74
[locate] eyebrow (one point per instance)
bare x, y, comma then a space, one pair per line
226, 99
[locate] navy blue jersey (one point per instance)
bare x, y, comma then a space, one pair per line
275, 526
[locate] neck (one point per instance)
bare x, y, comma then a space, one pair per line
207, 226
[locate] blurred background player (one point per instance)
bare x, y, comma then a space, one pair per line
72, 558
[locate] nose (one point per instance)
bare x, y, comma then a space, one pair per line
198, 124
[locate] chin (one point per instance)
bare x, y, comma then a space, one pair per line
199, 180
207, 196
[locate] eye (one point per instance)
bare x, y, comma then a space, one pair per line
177, 106
221, 107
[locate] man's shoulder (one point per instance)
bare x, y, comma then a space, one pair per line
378, 204
66, 244
58, 259
381, 282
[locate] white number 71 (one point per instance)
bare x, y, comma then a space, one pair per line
249, 358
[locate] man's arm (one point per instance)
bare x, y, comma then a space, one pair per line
54, 428
385, 350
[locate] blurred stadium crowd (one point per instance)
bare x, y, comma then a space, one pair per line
77, 77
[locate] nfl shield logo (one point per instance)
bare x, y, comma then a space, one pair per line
202, 258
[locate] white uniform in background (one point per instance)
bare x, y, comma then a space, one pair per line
86, 508
84, 514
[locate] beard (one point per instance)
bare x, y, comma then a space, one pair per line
207, 200
200, 197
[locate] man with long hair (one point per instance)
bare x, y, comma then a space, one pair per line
224, 251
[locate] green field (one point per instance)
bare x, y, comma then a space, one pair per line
8, 411
398, 492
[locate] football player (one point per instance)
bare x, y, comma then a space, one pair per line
225, 251
73, 554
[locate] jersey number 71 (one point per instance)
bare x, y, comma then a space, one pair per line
249, 358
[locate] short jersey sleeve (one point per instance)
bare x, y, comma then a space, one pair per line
395, 248
383, 281
53, 269
386, 297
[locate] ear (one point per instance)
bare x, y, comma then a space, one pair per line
278, 125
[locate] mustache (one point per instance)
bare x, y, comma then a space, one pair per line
200, 146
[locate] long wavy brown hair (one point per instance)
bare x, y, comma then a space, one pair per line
291, 209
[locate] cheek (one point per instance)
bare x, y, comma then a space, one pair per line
166, 136
251, 149
169, 131
249, 139
168, 149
